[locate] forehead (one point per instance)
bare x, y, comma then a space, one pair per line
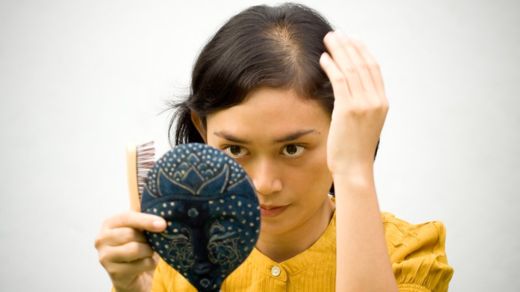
270, 110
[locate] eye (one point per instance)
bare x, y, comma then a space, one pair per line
235, 151
293, 150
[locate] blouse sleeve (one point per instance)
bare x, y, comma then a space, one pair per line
417, 254
158, 278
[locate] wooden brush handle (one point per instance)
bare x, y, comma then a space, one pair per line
131, 165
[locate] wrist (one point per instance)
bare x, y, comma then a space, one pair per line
141, 285
354, 178
354, 169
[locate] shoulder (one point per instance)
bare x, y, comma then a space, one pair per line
417, 253
403, 238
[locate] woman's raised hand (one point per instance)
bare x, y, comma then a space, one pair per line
124, 252
360, 104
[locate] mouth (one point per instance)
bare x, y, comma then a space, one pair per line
271, 211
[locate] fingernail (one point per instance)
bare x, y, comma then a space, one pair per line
158, 224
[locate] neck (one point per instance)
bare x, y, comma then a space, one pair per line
281, 247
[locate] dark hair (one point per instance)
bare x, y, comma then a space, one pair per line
262, 46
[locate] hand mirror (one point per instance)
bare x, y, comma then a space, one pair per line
211, 210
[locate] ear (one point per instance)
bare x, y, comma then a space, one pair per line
197, 122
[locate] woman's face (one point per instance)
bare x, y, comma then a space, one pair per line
280, 139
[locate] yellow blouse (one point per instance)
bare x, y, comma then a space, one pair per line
417, 254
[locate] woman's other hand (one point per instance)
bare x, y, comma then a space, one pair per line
360, 104
124, 252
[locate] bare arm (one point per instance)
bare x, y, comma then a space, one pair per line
363, 263
360, 109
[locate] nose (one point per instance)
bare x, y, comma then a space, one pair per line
265, 177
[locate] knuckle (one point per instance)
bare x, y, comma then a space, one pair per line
340, 78
380, 104
365, 66
114, 272
364, 109
125, 218
103, 258
359, 110
350, 70
100, 239
133, 235
373, 65
106, 223
378, 107
367, 108
124, 235
113, 221
98, 242
328, 37
133, 248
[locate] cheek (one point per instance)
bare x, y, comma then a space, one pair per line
313, 176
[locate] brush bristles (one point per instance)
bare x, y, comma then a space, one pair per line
145, 159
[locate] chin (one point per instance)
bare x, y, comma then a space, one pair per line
273, 227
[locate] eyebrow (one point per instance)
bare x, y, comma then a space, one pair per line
286, 138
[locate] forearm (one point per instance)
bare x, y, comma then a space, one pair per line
363, 263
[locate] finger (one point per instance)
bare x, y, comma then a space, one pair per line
358, 62
336, 77
123, 235
127, 253
140, 221
373, 66
341, 57
133, 268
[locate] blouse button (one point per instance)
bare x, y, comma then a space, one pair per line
276, 271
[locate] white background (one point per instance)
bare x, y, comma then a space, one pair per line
81, 79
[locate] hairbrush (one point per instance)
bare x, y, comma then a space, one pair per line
211, 210
140, 159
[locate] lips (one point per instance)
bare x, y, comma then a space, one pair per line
271, 211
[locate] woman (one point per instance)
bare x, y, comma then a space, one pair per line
301, 108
